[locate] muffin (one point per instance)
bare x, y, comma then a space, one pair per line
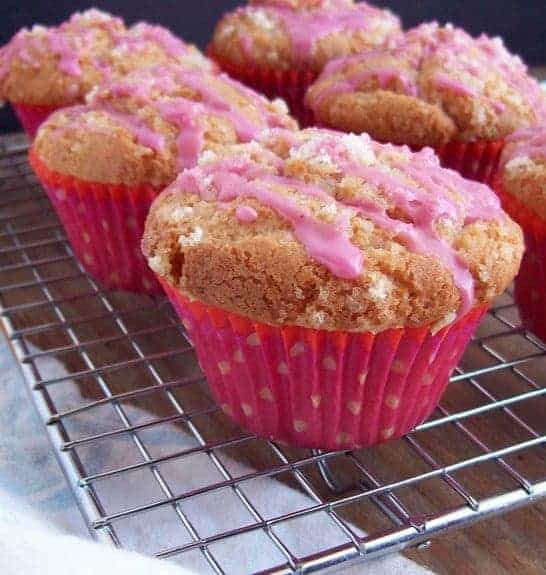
44, 69
521, 185
329, 283
280, 46
103, 163
438, 87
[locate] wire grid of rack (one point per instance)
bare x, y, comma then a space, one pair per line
145, 449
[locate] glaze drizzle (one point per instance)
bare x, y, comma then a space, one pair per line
462, 58
79, 39
160, 88
413, 183
306, 26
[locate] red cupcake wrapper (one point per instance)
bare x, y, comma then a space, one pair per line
290, 85
530, 294
31, 117
104, 224
321, 389
473, 160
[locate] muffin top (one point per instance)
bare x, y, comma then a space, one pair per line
286, 34
437, 85
58, 66
523, 168
146, 127
331, 231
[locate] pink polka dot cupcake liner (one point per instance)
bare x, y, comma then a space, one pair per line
320, 389
477, 161
290, 85
530, 294
104, 224
31, 117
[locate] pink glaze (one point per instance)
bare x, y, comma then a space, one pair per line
455, 86
72, 38
306, 27
144, 135
457, 52
426, 205
525, 143
66, 41
68, 57
327, 243
155, 86
441, 196
142, 34
246, 214
383, 76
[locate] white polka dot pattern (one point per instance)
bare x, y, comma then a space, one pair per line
282, 368
247, 409
266, 394
297, 349
315, 390
253, 340
355, 407
329, 363
300, 426
224, 367
105, 230
392, 401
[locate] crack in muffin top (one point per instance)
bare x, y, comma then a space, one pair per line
332, 231
438, 84
286, 34
152, 123
59, 65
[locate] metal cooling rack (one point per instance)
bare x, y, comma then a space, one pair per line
131, 420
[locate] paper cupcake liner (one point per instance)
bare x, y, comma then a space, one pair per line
31, 117
530, 293
290, 85
104, 224
473, 160
321, 389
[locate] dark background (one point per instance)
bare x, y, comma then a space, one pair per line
522, 23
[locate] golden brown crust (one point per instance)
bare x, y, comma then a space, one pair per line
90, 143
261, 270
260, 27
